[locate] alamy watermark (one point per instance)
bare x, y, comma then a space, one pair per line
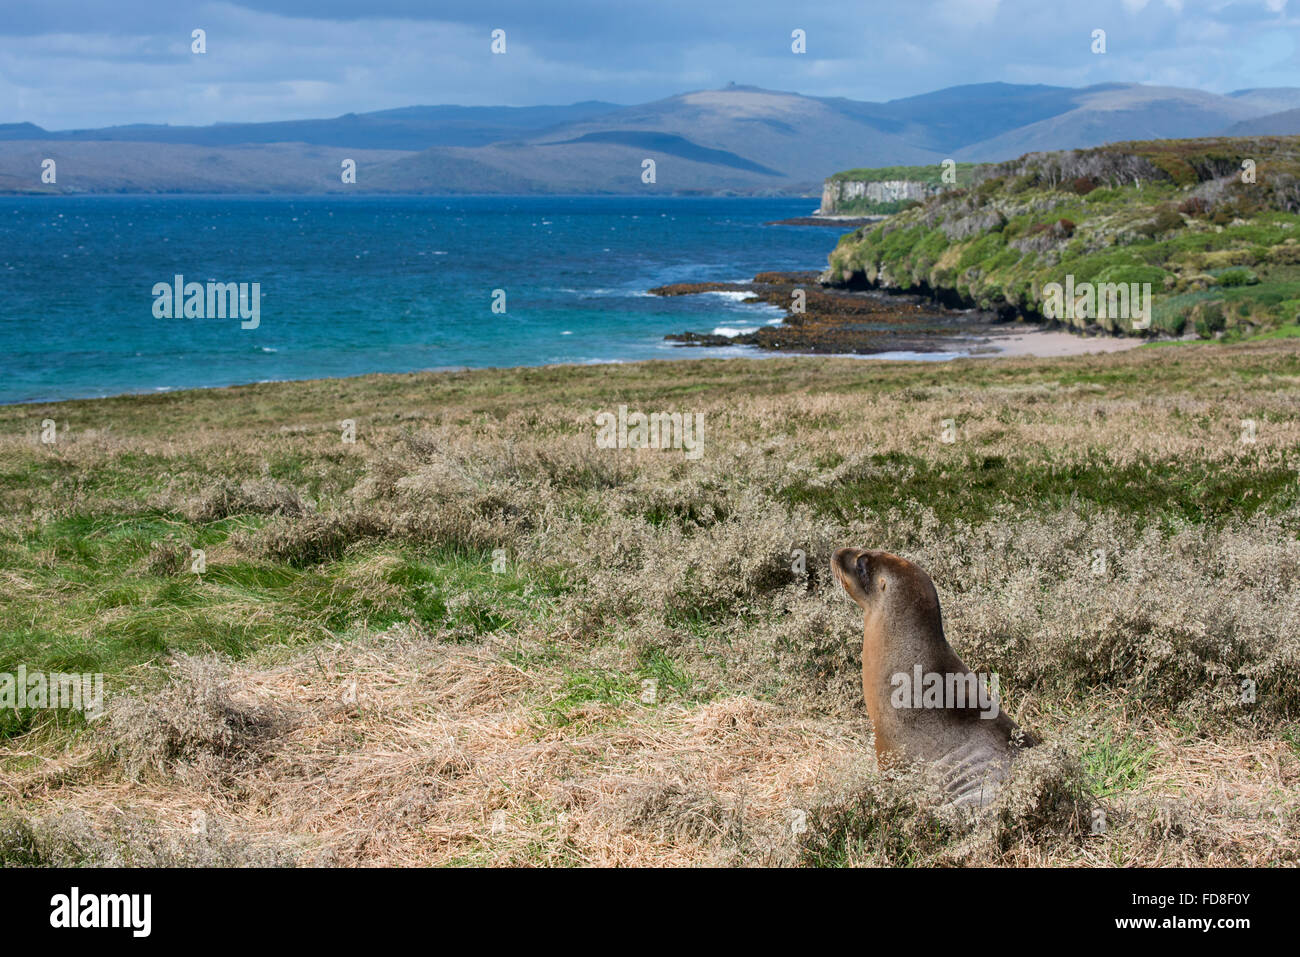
949, 690
130, 911
658, 430
53, 691
179, 299
1107, 300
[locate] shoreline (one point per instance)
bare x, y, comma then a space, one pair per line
1037, 343
822, 320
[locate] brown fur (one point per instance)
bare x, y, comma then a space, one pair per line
902, 627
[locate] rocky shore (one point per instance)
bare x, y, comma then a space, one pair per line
840, 320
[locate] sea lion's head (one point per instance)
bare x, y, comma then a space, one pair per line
888, 589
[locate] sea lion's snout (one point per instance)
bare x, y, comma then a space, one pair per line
842, 562
852, 566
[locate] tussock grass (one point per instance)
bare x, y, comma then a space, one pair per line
472, 637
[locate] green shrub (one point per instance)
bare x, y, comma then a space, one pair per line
865, 207
1289, 309
1103, 195
1132, 272
1237, 277
1210, 320
1166, 219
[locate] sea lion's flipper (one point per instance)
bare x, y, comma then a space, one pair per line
972, 772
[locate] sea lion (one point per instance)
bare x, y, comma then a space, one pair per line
950, 721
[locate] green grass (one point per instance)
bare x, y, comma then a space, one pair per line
866, 207
1292, 737
100, 610
584, 687
657, 679
668, 674
1114, 764
922, 174
1289, 331
972, 487
88, 600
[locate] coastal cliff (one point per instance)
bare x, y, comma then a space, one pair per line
838, 195
889, 189
1207, 230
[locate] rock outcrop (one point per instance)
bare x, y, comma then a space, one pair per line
837, 192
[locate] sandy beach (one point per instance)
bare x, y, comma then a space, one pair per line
1050, 344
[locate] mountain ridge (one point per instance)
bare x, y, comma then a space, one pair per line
740, 139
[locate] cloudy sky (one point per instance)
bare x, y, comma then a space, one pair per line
80, 63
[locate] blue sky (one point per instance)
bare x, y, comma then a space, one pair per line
82, 63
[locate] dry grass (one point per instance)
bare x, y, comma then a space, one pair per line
394, 699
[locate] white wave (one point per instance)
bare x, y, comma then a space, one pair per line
619, 293
730, 331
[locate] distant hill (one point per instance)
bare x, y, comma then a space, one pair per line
1284, 123
956, 118
1271, 100
1114, 113
740, 139
99, 167
407, 128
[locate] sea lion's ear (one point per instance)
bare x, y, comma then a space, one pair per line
852, 567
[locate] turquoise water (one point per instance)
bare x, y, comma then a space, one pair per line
359, 285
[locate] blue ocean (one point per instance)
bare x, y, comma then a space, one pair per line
371, 284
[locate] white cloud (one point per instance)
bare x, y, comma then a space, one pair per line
263, 65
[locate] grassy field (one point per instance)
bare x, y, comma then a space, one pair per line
473, 637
